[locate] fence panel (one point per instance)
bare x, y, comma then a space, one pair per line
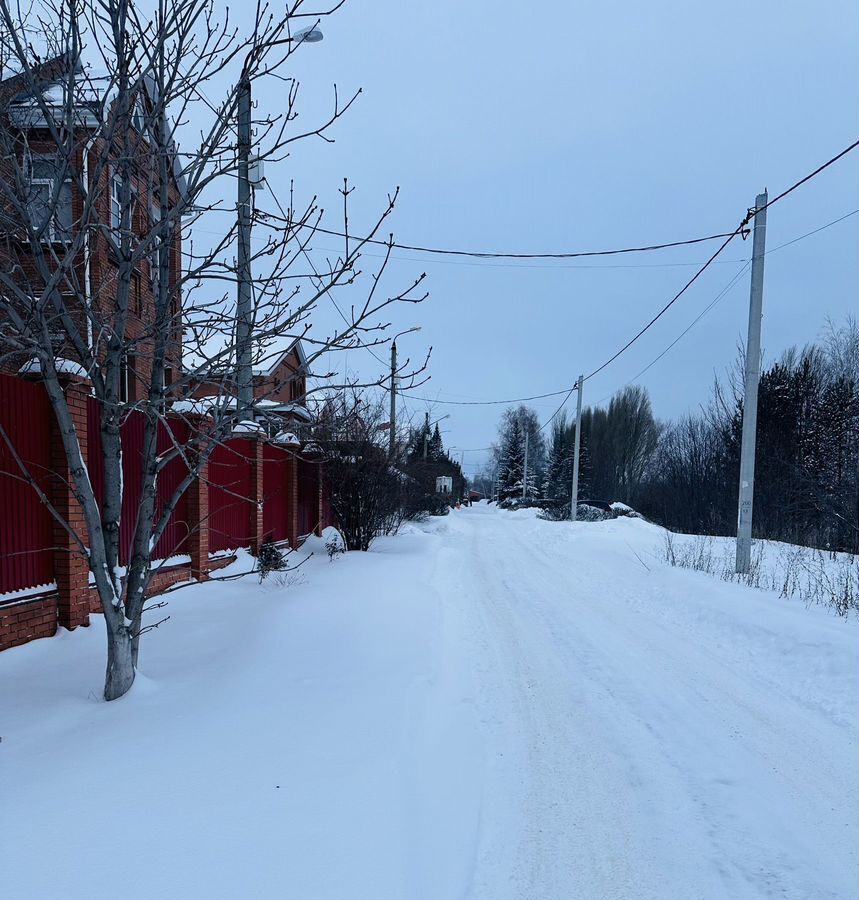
229, 490
308, 497
26, 535
276, 499
131, 437
175, 535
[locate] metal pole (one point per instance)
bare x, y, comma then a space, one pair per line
393, 434
750, 402
525, 470
244, 312
574, 494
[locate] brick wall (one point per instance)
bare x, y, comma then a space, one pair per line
27, 620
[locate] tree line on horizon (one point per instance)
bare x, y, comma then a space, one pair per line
684, 473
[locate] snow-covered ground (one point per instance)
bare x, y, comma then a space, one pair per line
487, 706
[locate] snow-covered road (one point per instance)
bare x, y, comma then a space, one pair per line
643, 754
488, 707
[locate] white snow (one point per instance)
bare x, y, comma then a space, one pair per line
23, 594
62, 366
247, 426
485, 706
287, 438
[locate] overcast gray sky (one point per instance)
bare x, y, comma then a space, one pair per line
588, 126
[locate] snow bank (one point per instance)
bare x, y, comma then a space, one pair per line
488, 706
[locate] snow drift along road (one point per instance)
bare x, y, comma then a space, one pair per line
491, 706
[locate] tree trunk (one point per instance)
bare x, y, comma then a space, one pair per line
120, 663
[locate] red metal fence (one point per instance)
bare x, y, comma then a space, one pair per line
26, 525
277, 499
308, 496
27, 554
229, 489
131, 438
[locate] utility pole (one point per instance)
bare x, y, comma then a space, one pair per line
525, 470
244, 285
574, 495
393, 417
426, 435
750, 401
244, 323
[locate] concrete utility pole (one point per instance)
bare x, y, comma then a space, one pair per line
750, 401
574, 494
393, 416
244, 311
244, 285
525, 469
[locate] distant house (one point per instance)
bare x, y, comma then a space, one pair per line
280, 390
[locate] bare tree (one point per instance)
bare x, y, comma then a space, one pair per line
368, 489
105, 196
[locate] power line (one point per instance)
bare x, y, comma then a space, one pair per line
485, 254
568, 391
739, 230
483, 402
667, 306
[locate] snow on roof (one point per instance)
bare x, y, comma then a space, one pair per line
63, 367
247, 426
199, 406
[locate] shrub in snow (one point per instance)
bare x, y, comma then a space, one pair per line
334, 543
270, 559
621, 509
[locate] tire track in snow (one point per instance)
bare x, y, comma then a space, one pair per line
642, 761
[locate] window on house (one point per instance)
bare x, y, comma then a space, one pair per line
50, 198
136, 295
123, 379
116, 205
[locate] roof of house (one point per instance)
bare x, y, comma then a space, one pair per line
281, 358
97, 90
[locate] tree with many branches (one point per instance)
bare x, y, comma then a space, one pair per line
106, 192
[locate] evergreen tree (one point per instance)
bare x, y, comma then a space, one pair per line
510, 453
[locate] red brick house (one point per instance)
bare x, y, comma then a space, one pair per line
48, 177
251, 490
280, 390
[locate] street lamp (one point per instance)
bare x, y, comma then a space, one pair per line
427, 426
244, 302
392, 437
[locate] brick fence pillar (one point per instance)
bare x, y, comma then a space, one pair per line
198, 499
71, 569
198, 524
256, 494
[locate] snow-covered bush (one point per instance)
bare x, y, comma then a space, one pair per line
334, 544
270, 559
622, 510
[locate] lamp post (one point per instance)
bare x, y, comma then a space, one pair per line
427, 426
244, 285
392, 437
